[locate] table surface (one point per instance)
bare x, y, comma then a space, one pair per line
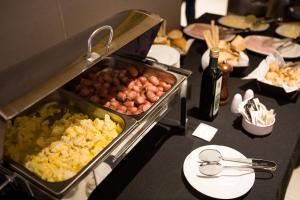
153, 169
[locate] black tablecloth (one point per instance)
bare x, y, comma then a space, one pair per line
153, 170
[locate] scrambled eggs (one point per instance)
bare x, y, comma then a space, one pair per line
59, 151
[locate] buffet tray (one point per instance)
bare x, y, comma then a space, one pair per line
163, 72
71, 101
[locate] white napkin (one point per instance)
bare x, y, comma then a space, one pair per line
205, 132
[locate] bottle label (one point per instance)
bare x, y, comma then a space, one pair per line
217, 96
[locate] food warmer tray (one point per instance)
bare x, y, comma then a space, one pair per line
48, 75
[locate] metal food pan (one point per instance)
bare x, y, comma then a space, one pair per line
73, 103
173, 78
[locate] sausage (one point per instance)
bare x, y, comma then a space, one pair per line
86, 82
151, 88
116, 81
165, 85
107, 104
121, 96
160, 93
143, 79
107, 77
136, 112
106, 84
151, 96
131, 95
113, 91
131, 85
78, 87
132, 109
133, 71
100, 79
120, 88
129, 104
102, 92
137, 88
154, 80
140, 100
144, 107
160, 88
138, 83
91, 90
84, 92
124, 79
123, 72
98, 86
92, 76
122, 109
95, 99
114, 103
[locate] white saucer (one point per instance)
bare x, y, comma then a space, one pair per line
165, 55
228, 185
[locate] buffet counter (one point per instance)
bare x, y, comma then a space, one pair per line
154, 168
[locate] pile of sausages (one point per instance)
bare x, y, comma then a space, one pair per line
123, 90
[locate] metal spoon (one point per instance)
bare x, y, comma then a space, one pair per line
216, 168
213, 156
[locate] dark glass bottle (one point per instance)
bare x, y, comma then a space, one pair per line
210, 88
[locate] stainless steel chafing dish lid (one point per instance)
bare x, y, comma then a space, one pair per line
28, 82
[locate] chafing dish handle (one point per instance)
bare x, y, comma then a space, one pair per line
10, 177
91, 56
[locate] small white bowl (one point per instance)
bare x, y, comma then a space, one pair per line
256, 129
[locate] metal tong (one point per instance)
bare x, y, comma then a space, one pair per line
288, 42
224, 32
213, 157
259, 21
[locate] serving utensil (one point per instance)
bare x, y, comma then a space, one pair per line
288, 43
213, 156
231, 31
255, 22
213, 169
282, 43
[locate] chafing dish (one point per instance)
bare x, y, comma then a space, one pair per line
50, 75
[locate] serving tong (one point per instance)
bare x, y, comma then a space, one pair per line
288, 43
255, 22
210, 163
231, 31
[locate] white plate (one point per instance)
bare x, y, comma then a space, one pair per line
239, 22
288, 30
226, 186
255, 43
243, 60
196, 31
165, 55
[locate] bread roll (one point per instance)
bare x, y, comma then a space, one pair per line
180, 43
161, 40
175, 34
239, 43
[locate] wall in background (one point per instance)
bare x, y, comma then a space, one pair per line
31, 26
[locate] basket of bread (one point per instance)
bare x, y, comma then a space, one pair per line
276, 75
